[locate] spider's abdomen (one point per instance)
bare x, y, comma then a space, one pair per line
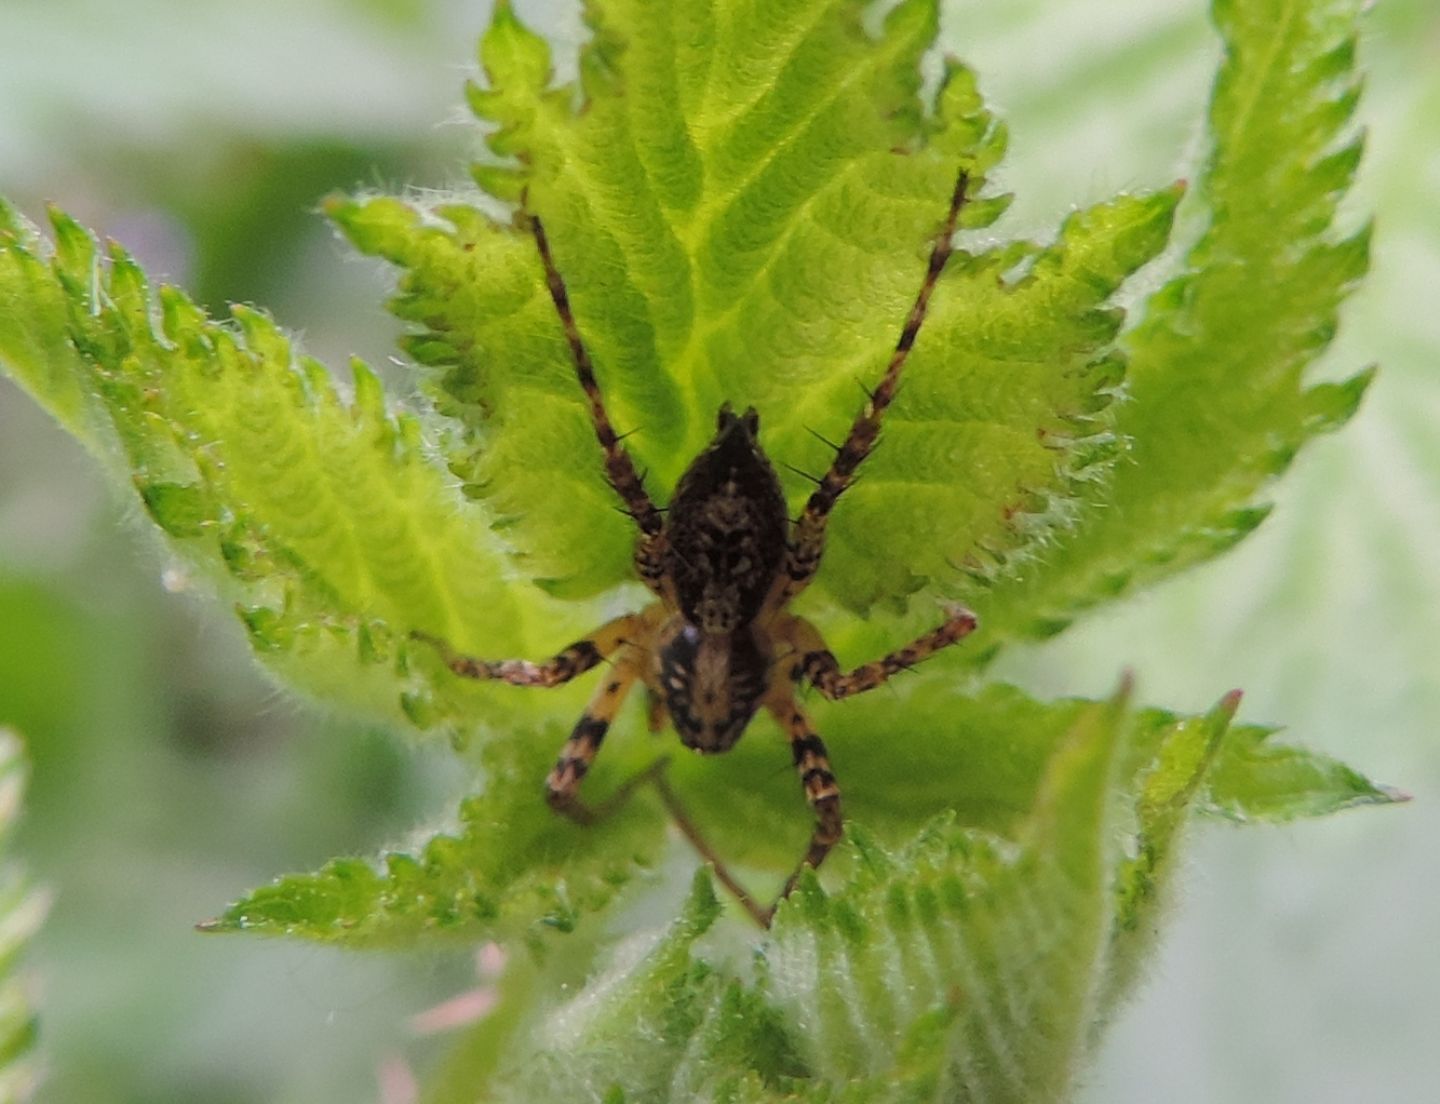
711, 685
727, 529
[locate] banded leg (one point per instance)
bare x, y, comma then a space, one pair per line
816, 664
823, 795
619, 468
807, 540
562, 785
561, 668
821, 792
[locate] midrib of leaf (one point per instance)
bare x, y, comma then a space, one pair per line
1261, 73
762, 273
327, 537
1272, 228
788, 48
886, 50
685, 362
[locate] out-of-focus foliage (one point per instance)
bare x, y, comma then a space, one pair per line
21, 911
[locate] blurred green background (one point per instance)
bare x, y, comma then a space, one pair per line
169, 774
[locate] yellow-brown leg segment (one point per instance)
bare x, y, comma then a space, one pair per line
561, 668
816, 664
807, 540
563, 783
823, 795
619, 468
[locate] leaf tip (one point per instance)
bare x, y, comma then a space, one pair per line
335, 205
1229, 705
702, 906
1124, 690
514, 57
1393, 795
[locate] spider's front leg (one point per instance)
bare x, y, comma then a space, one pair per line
807, 539
619, 468
816, 663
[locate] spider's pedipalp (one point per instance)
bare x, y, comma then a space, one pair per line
807, 541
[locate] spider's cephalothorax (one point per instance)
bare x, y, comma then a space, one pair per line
726, 530
724, 563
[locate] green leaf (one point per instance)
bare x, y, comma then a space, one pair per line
321, 517
1217, 401
509, 869
929, 749
1260, 781
741, 199
705, 1036
972, 962
1011, 934
751, 224
35, 344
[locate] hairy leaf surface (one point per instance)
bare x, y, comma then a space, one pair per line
1216, 399
741, 198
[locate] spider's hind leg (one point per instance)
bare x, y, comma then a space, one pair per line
807, 539
812, 763
822, 793
619, 467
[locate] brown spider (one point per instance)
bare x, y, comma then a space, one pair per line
725, 563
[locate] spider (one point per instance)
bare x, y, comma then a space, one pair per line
724, 563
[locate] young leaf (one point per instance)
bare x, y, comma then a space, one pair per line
1259, 781
510, 869
1011, 933
323, 518
972, 963
928, 749
35, 344
741, 209
1217, 404
704, 1036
